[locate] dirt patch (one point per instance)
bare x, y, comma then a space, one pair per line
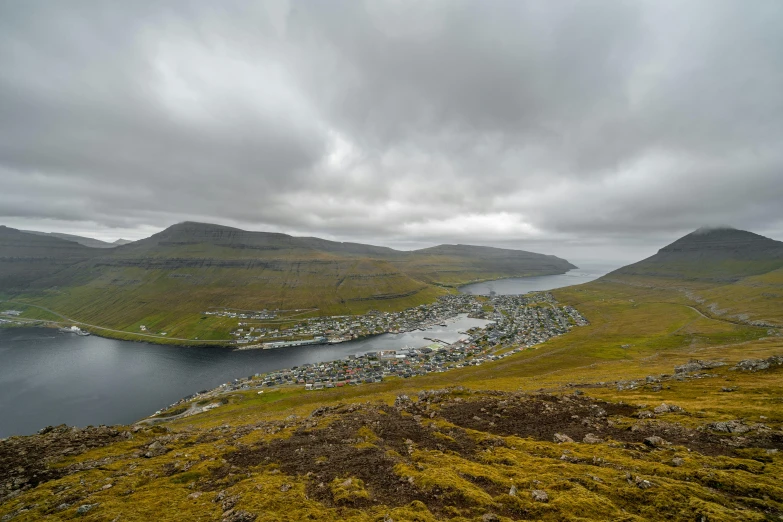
543, 416
366, 442
24, 461
342, 450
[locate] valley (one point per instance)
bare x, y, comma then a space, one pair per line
655, 408
165, 282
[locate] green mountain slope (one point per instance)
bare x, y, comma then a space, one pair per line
712, 255
26, 258
729, 273
164, 282
86, 241
653, 411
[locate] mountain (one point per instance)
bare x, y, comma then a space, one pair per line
711, 254
650, 412
165, 281
445, 264
86, 241
733, 274
26, 257
121, 242
456, 264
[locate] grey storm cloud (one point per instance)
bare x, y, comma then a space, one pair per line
396, 122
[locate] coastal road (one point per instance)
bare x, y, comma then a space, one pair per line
153, 336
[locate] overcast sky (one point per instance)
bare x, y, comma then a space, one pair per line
587, 129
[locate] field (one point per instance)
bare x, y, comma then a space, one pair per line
480, 447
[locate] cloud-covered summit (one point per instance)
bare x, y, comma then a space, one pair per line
509, 122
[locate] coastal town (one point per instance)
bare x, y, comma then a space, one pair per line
341, 328
516, 323
517, 311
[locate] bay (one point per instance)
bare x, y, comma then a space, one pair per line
521, 285
50, 378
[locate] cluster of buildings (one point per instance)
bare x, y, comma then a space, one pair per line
244, 314
340, 328
10, 315
527, 320
518, 321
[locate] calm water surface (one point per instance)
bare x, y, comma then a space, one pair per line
47, 377
522, 285
50, 378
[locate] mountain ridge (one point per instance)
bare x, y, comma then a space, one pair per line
82, 240
733, 274
167, 280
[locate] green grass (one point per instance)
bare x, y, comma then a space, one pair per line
128, 298
634, 332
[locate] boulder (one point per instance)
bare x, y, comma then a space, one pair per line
592, 439
696, 366
733, 426
239, 516
85, 508
539, 495
561, 437
655, 442
755, 365
156, 449
643, 484
667, 408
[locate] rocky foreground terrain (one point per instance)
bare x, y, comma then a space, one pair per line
440, 454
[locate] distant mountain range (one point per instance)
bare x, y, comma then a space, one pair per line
166, 280
86, 241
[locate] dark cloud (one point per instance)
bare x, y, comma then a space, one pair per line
563, 125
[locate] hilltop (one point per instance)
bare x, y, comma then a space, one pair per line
652, 411
729, 273
166, 281
713, 255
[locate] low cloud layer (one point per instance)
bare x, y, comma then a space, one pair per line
592, 129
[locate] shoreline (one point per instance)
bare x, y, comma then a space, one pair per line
489, 279
121, 335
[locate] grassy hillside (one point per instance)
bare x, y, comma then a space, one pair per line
727, 273
164, 282
482, 451
657, 410
26, 258
720, 255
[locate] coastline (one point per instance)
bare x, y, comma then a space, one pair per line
110, 333
487, 280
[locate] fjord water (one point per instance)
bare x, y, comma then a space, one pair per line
521, 285
50, 378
